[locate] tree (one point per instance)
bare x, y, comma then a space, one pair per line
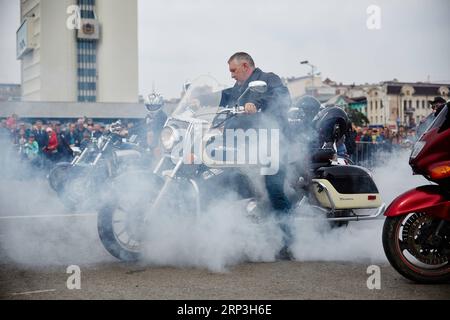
358, 118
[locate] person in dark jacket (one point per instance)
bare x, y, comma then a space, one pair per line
273, 106
41, 136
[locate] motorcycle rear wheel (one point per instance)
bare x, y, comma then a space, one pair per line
410, 251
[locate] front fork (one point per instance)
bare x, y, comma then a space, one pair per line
169, 177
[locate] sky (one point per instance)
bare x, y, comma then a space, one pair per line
180, 40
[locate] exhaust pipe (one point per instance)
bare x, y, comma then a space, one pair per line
374, 216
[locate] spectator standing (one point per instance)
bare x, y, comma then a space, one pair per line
41, 136
51, 150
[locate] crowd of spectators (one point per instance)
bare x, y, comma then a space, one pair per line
46, 142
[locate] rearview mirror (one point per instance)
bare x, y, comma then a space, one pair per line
258, 86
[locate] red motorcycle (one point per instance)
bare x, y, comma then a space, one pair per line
416, 233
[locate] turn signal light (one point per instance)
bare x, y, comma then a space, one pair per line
440, 172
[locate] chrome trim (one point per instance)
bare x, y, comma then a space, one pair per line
168, 180
379, 211
333, 205
197, 196
160, 163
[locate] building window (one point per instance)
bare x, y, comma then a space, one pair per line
87, 85
423, 104
86, 72
376, 105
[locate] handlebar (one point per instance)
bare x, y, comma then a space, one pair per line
234, 110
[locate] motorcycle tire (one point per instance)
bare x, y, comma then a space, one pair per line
58, 175
416, 272
107, 221
78, 191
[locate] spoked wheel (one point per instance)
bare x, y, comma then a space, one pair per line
120, 223
418, 247
120, 231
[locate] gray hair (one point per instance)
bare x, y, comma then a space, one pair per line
242, 56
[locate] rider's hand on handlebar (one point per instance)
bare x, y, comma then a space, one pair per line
250, 108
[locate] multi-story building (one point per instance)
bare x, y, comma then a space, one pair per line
308, 85
78, 50
394, 103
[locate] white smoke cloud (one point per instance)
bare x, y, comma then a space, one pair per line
222, 236
360, 241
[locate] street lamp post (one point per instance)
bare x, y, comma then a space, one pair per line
313, 68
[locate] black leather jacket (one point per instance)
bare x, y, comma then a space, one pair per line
274, 103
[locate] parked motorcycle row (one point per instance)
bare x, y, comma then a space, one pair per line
188, 178
103, 159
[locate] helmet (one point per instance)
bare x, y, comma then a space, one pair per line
308, 107
331, 123
154, 102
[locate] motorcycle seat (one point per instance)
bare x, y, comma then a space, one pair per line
322, 156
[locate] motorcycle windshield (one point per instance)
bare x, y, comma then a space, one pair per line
200, 100
442, 121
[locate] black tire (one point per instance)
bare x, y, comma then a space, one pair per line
58, 175
144, 187
78, 191
406, 259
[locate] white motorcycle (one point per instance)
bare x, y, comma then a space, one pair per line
198, 168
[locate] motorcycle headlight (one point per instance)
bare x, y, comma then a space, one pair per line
169, 136
417, 149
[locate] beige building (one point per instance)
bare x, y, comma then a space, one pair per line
405, 103
388, 103
78, 50
307, 85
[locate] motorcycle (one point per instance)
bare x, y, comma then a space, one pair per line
101, 160
194, 169
416, 232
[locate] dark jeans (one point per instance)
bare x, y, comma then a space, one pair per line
275, 190
280, 203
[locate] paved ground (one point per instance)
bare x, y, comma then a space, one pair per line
279, 280
39, 240
32, 271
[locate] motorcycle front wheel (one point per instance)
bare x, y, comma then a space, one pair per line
58, 175
121, 219
416, 250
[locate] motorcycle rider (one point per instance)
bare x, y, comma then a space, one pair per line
301, 128
436, 105
274, 105
154, 123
